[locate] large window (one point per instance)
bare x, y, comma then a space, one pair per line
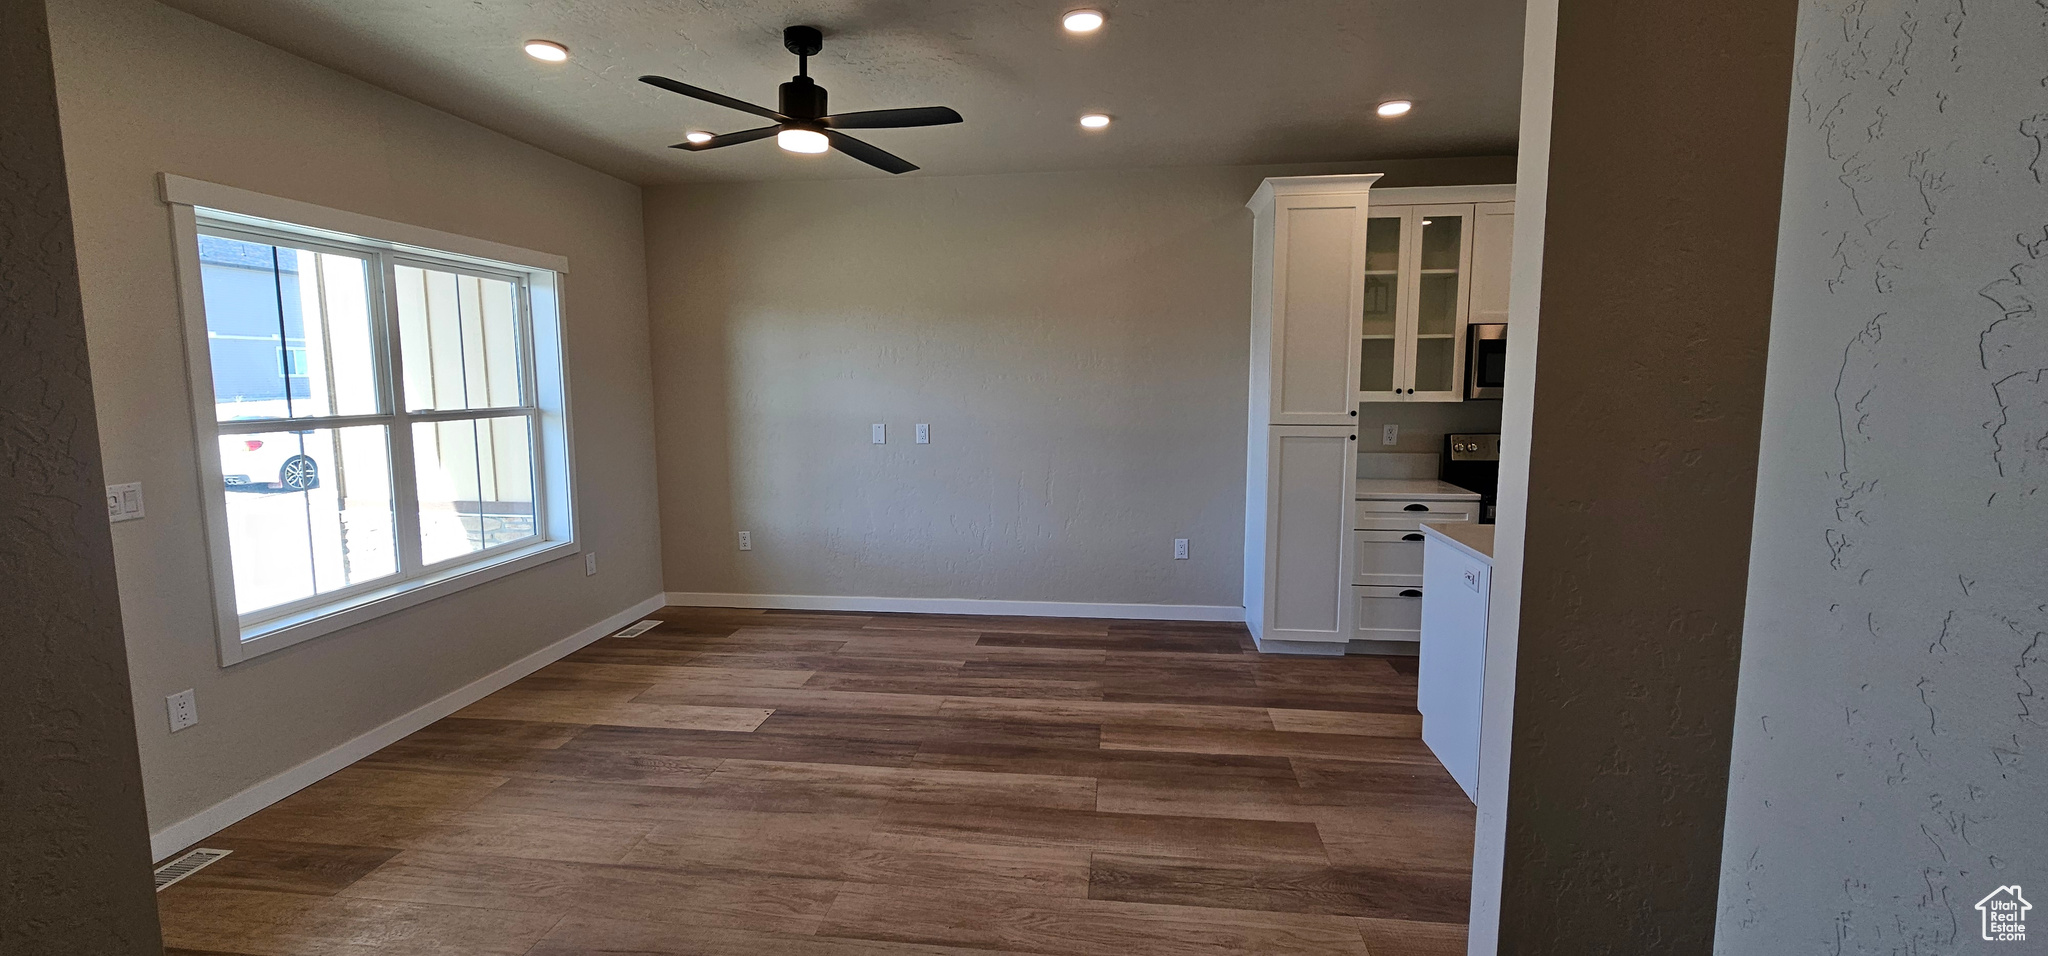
385, 417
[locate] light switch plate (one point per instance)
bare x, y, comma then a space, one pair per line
924, 434
878, 436
124, 502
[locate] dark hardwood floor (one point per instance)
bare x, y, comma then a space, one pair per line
754, 783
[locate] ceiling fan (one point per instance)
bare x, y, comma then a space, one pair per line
802, 125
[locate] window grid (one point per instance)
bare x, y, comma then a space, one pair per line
394, 413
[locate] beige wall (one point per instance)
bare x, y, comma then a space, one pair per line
1886, 774
1643, 397
77, 876
1077, 341
1421, 426
144, 90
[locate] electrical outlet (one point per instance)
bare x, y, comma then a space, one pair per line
184, 709
589, 563
1180, 549
924, 434
124, 502
1472, 578
1389, 434
878, 436
747, 539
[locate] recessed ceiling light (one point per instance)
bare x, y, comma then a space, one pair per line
1095, 121
1082, 21
697, 136
802, 141
545, 50
1395, 107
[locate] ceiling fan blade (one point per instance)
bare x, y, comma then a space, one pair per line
892, 119
730, 139
878, 158
707, 96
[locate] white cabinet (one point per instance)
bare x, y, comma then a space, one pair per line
1308, 298
1387, 557
1493, 249
1311, 472
1386, 614
1433, 256
1451, 674
1308, 262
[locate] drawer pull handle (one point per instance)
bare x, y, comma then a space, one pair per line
1411, 537
1416, 508
1410, 592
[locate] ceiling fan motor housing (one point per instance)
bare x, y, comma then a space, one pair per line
802, 98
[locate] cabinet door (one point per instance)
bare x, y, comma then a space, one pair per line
1318, 253
1443, 263
1387, 235
1312, 472
1493, 248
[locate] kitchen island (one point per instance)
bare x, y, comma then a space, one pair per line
1457, 579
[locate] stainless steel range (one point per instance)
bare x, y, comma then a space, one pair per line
1472, 462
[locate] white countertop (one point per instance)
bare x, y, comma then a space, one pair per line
1473, 539
1420, 489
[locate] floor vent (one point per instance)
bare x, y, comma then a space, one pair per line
639, 629
187, 865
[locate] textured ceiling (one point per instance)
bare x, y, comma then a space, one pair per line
1190, 82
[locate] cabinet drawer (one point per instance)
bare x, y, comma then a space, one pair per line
1386, 614
1386, 558
1383, 515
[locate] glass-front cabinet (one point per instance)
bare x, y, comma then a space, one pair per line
1417, 277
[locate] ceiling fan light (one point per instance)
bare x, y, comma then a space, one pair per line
1082, 21
1395, 107
547, 50
802, 141
697, 136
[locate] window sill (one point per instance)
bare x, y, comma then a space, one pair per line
279, 633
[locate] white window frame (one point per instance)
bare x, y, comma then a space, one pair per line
197, 205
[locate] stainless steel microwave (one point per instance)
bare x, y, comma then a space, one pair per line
1486, 361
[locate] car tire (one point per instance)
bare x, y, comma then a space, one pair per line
299, 473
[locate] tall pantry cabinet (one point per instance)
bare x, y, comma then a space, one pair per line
1308, 299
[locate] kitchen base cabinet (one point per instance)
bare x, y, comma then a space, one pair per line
1387, 552
1305, 568
1457, 582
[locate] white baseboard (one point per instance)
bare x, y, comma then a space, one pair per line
218, 817
1304, 648
826, 602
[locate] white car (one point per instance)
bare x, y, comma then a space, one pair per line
270, 462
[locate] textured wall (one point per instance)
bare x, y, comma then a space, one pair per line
1659, 228
1504, 602
1079, 343
1892, 718
71, 821
146, 89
